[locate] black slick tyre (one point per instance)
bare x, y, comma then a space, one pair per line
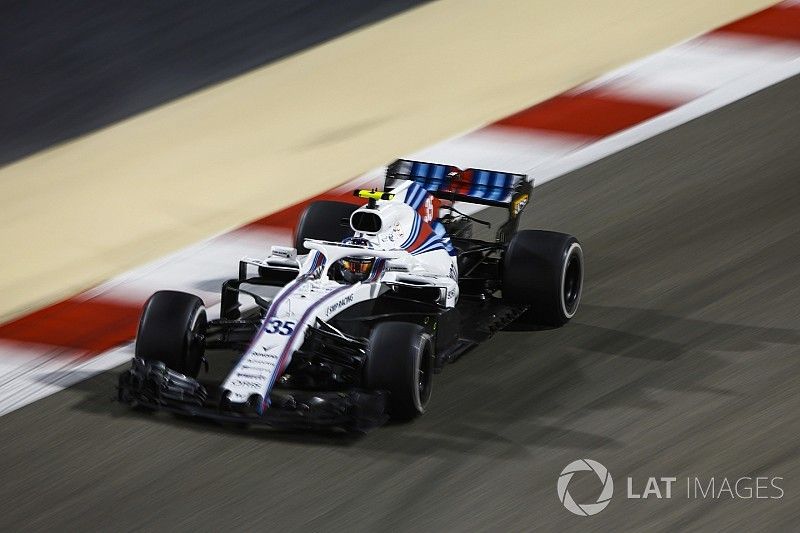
172, 330
324, 220
544, 270
400, 361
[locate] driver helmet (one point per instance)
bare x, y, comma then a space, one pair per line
356, 268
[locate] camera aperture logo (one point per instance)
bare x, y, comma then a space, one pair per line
585, 509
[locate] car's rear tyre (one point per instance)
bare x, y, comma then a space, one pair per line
172, 330
324, 220
400, 361
544, 270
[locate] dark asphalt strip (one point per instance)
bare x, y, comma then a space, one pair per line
683, 361
70, 67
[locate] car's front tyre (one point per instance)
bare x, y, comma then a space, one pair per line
172, 330
400, 361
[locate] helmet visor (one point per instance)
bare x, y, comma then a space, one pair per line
358, 265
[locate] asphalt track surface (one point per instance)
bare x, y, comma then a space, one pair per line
74, 66
682, 361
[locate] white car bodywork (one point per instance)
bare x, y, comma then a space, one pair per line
410, 248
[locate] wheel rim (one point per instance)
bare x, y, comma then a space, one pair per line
424, 377
195, 342
572, 283
422, 382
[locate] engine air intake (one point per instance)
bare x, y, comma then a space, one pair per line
366, 222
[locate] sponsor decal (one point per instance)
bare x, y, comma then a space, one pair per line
453, 272
396, 234
284, 252
451, 293
251, 376
518, 204
263, 355
339, 304
427, 209
396, 267
250, 384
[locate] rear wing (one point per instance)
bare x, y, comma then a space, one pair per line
478, 186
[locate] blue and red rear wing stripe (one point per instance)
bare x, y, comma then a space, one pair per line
485, 186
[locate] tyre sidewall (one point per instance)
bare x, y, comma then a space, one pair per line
396, 353
167, 328
321, 220
535, 269
574, 248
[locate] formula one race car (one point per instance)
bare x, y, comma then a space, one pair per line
374, 301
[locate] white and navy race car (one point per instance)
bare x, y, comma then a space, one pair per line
373, 301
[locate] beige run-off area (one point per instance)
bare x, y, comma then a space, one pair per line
84, 211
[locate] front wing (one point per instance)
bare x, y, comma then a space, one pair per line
151, 385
